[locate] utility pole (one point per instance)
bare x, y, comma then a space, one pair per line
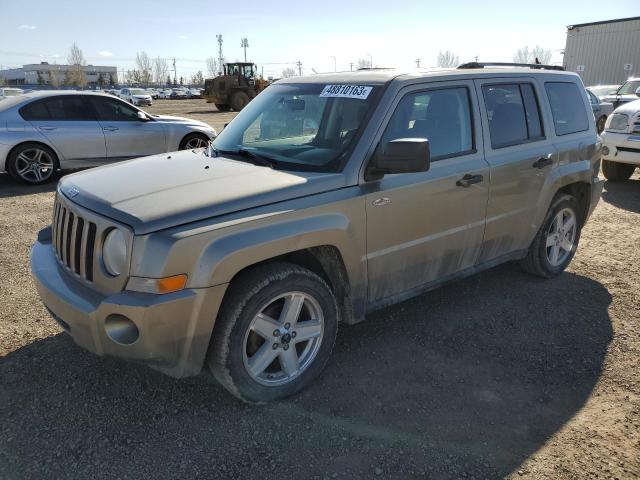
351, 66
244, 43
220, 57
299, 64
175, 77
417, 63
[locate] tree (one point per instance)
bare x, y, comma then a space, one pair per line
160, 69
54, 80
40, 79
144, 67
363, 63
133, 76
448, 59
76, 75
288, 72
181, 81
198, 78
212, 67
168, 80
112, 81
526, 55
101, 80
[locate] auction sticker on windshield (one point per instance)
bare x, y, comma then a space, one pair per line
346, 91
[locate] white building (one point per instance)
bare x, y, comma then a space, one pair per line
41, 74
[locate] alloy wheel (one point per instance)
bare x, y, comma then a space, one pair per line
34, 165
561, 236
283, 338
195, 142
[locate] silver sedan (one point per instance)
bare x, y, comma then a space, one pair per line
43, 131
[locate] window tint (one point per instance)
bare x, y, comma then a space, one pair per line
114, 110
60, 109
592, 98
567, 107
513, 113
441, 116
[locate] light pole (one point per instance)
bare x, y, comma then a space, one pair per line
417, 63
335, 68
244, 43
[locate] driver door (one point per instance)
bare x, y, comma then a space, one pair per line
423, 227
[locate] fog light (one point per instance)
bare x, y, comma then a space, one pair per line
605, 150
121, 329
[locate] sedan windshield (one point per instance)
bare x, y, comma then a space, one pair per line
300, 126
629, 88
137, 91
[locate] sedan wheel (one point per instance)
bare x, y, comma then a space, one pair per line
195, 142
283, 338
33, 165
561, 237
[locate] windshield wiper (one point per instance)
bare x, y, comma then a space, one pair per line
255, 158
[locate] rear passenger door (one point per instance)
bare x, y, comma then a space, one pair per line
520, 155
69, 124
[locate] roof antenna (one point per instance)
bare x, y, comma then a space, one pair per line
538, 61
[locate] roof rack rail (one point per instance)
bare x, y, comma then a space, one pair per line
470, 65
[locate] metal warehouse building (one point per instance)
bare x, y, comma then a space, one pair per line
605, 52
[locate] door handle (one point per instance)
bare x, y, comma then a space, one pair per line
543, 162
47, 128
110, 129
469, 180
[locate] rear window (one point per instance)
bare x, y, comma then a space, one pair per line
567, 107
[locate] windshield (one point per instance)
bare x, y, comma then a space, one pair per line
600, 91
137, 91
301, 126
11, 92
629, 88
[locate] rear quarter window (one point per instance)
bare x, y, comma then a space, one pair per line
567, 107
35, 111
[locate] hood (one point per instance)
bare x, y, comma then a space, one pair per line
186, 121
629, 108
142, 96
162, 191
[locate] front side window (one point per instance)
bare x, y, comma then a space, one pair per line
567, 107
114, 110
629, 88
513, 114
300, 126
442, 116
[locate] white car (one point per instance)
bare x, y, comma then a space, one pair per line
621, 142
165, 94
602, 91
628, 92
10, 92
135, 96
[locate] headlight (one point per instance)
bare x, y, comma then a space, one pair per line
617, 121
114, 252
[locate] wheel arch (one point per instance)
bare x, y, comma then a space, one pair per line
192, 133
56, 155
581, 191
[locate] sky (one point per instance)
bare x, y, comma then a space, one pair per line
324, 35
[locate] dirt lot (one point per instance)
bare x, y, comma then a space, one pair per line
498, 375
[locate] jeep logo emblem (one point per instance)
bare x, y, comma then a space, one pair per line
72, 192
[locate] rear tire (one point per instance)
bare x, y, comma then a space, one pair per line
553, 248
252, 347
617, 172
239, 100
32, 163
223, 107
600, 123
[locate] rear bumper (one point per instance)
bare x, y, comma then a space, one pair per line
622, 147
173, 330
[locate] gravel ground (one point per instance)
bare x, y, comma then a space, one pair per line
499, 375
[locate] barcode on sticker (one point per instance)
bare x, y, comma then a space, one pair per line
346, 91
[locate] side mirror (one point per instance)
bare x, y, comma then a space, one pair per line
638, 92
403, 155
143, 117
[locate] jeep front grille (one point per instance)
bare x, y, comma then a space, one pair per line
74, 240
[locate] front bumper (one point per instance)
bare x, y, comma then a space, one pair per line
174, 330
623, 147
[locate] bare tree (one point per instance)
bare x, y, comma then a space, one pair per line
160, 70
133, 76
212, 67
53, 78
288, 72
144, 66
76, 75
198, 78
363, 63
527, 55
448, 59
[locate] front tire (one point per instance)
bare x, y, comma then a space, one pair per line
600, 123
274, 333
556, 242
194, 140
617, 172
239, 100
32, 163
